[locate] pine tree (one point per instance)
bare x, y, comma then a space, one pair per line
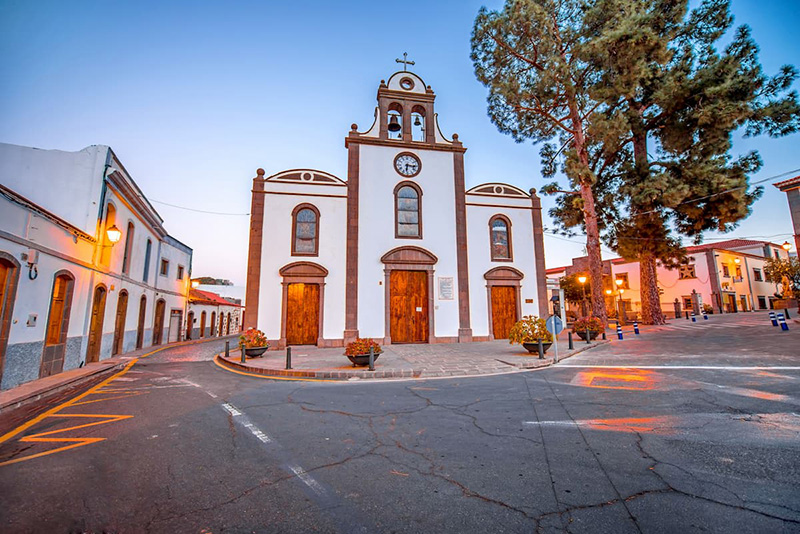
528, 55
678, 100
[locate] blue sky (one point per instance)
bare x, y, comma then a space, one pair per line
194, 96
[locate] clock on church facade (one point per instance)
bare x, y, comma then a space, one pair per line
400, 251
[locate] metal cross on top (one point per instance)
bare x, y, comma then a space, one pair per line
404, 61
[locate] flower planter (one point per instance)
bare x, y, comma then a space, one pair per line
362, 359
533, 348
252, 352
582, 334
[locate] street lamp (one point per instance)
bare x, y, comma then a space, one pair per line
582, 279
114, 234
786, 246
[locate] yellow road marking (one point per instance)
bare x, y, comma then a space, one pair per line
217, 360
53, 412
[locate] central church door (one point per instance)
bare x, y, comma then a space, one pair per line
302, 314
408, 306
504, 310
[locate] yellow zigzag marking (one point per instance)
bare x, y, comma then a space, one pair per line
110, 398
74, 442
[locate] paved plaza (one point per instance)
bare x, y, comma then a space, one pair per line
678, 430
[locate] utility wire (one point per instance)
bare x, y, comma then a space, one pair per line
196, 210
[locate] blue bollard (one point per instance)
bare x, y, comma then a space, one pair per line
705, 316
636, 328
619, 331
784, 326
694, 317
773, 318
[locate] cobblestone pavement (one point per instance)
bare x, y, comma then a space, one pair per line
407, 361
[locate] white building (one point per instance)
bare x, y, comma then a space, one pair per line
211, 315
70, 294
399, 251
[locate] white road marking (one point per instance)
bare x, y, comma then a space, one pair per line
125, 379
307, 479
551, 423
211, 395
231, 409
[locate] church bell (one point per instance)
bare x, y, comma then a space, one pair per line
394, 126
417, 121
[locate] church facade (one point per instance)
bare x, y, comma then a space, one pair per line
400, 251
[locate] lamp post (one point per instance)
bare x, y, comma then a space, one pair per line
582, 279
609, 293
621, 309
786, 246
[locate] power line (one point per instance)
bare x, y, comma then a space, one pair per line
196, 210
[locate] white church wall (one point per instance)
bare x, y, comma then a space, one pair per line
480, 258
377, 181
277, 252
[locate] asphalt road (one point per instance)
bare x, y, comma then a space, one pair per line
697, 432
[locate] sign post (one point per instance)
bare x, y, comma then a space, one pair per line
555, 325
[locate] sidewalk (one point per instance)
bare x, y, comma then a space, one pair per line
44, 388
404, 361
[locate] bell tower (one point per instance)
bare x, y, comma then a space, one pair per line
404, 146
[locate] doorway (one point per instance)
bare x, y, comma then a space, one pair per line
504, 310
408, 306
175, 320
189, 325
119, 323
96, 325
140, 326
158, 322
9, 276
302, 314
202, 324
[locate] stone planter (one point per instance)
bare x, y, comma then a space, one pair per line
362, 359
533, 348
253, 352
582, 334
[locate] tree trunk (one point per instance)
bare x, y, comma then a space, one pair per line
648, 282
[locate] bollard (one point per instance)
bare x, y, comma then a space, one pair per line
604, 335
227, 349
694, 317
569, 337
687, 315
241, 348
786, 311
636, 328
619, 331
784, 326
371, 358
773, 318
588, 339
288, 357
705, 316
541, 350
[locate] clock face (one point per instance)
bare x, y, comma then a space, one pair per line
407, 164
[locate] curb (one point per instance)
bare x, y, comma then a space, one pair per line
341, 375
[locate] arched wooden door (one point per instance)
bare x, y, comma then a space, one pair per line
302, 314
228, 327
158, 322
221, 324
203, 324
96, 325
55, 340
9, 276
119, 323
189, 325
408, 306
140, 326
213, 325
504, 310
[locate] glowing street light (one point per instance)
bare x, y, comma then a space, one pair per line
195, 283
786, 246
114, 234
582, 279
618, 281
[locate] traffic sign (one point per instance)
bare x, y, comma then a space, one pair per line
554, 324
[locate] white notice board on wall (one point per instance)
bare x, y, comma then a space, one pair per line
446, 288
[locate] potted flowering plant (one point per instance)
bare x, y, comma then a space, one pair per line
592, 325
528, 331
358, 351
254, 341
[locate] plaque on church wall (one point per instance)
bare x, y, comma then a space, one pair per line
445, 288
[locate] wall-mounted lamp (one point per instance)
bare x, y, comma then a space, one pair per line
195, 283
786, 246
737, 261
114, 234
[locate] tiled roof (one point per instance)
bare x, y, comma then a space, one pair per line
197, 296
787, 183
729, 244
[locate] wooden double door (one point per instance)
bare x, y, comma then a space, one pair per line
504, 310
408, 306
302, 314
